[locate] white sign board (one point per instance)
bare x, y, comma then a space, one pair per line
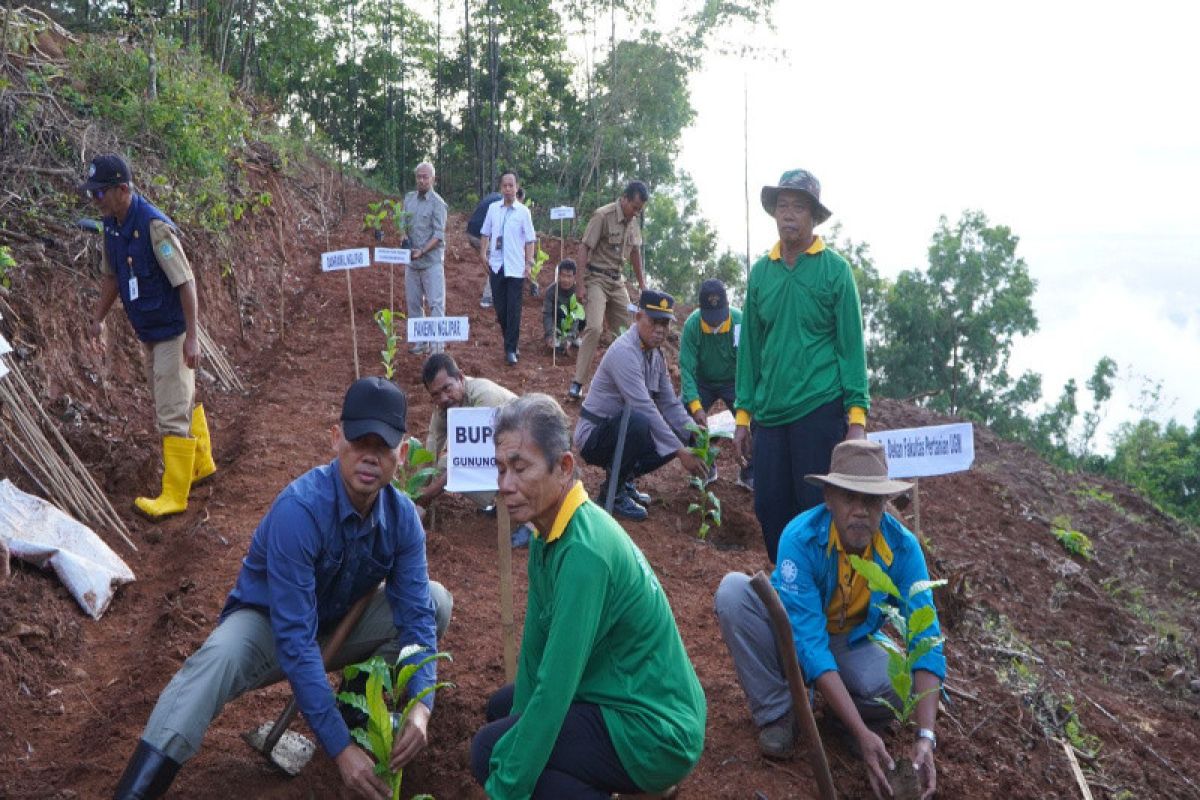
393, 255
934, 450
470, 451
346, 259
5, 347
562, 212
3, 368
438, 329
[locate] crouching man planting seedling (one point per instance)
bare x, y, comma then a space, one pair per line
836, 616
331, 537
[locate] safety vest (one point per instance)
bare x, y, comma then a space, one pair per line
152, 303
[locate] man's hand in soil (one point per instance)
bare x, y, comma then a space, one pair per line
878, 762
412, 739
692, 463
742, 444
922, 758
358, 773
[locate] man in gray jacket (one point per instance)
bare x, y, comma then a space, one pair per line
634, 373
425, 277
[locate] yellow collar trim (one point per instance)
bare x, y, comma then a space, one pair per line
817, 246
878, 545
722, 328
576, 497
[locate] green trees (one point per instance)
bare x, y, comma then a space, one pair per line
681, 248
950, 329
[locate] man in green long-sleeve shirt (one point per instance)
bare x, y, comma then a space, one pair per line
802, 367
708, 359
605, 699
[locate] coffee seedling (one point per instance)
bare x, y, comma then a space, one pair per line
413, 474
386, 319
573, 314
709, 507
913, 627
385, 690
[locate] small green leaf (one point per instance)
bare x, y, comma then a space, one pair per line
921, 586
877, 579
921, 619
693, 508
902, 683
703, 533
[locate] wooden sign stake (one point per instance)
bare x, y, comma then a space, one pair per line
353, 326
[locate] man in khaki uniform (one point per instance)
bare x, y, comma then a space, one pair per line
449, 388
612, 236
143, 263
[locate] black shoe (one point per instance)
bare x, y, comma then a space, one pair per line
147, 775
353, 717
511, 358
628, 508
641, 497
575, 392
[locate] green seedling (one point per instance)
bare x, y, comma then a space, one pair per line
1073, 541
705, 449
377, 214
909, 626
386, 319
7, 262
539, 259
386, 685
573, 313
415, 473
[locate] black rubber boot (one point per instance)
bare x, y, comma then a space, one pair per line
147, 775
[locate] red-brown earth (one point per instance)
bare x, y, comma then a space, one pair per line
1034, 633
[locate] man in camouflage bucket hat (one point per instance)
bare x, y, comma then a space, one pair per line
802, 367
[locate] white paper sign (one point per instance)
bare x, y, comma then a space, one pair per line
470, 451
3, 369
934, 450
722, 422
346, 259
393, 255
438, 329
562, 212
5, 347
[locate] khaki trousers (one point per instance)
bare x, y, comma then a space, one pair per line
173, 384
607, 304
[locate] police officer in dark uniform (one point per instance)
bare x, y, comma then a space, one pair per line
143, 263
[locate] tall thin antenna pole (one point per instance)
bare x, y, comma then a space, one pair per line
746, 164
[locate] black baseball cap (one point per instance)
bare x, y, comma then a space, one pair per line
714, 303
106, 170
374, 405
659, 305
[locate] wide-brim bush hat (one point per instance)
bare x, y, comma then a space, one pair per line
797, 180
860, 465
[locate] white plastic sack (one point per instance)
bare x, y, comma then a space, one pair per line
38, 532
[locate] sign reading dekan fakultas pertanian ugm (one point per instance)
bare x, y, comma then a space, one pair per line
932, 450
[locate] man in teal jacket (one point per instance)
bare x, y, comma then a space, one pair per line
606, 699
836, 618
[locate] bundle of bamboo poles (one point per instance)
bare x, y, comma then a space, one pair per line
221, 368
59, 473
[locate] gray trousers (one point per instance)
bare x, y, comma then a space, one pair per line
240, 656
746, 629
425, 287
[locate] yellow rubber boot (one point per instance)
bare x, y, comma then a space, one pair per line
205, 466
178, 456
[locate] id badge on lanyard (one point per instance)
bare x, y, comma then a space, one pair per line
133, 286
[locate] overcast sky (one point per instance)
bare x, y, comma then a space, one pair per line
1076, 124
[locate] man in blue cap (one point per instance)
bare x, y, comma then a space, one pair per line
329, 539
633, 372
142, 262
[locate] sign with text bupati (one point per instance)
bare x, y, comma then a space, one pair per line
933, 450
438, 329
470, 450
346, 259
393, 255
562, 212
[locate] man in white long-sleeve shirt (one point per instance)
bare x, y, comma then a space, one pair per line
634, 373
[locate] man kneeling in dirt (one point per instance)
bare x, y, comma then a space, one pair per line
329, 539
836, 620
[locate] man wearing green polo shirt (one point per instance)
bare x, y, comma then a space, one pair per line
606, 699
708, 359
802, 369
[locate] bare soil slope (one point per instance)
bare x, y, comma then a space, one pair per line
1039, 640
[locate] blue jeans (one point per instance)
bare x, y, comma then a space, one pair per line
783, 455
